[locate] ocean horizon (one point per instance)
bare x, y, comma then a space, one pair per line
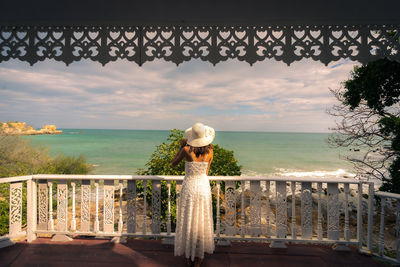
124, 151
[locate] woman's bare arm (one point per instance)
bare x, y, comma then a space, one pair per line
181, 153
178, 157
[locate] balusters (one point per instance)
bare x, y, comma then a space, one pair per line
155, 207
227, 226
370, 214
255, 208
333, 211
294, 230
242, 217
43, 205
62, 205
31, 210
346, 213
218, 228
85, 205
96, 220
15, 213
281, 209
230, 208
51, 221
306, 210
108, 206
144, 206
169, 208
131, 206
73, 221
319, 223
381, 242
267, 189
120, 222
359, 216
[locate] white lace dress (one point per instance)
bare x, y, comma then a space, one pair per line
194, 233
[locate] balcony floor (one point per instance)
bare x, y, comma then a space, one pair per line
101, 252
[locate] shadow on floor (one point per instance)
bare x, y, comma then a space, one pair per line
143, 252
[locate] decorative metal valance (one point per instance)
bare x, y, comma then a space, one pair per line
179, 43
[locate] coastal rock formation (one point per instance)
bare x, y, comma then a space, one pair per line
20, 128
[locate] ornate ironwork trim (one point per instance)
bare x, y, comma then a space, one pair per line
179, 43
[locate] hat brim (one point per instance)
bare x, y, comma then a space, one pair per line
203, 141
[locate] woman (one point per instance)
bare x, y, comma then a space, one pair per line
194, 233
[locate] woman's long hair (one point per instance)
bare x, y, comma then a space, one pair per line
200, 150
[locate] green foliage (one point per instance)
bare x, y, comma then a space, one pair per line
160, 161
18, 157
63, 164
378, 85
224, 164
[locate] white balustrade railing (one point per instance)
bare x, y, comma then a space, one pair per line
273, 209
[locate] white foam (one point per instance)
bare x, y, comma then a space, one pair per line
317, 173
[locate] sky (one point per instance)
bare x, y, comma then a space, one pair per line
231, 96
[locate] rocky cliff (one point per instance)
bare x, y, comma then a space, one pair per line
20, 128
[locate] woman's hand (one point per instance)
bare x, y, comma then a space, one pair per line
183, 142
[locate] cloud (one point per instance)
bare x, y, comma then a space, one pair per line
268, 96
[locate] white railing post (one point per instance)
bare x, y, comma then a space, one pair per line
242, 216
230, 209
255, 208
281, 214
294, 230
15, 213
370, 215
96, 220
43, 203
169, 209
73, 221
144, 225
156, 206
131, 206
268, 209
120, 221
62, 205
108, 206
333, 211
319, 223
346, 213
85, 205
381, 242
306, 210
218, 227
359, 216
50, 222
31, 210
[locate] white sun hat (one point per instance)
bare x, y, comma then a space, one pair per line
199, 135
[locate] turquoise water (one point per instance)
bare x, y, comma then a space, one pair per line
124, 151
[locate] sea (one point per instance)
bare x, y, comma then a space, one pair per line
259, 153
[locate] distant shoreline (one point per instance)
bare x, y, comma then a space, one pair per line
20, 128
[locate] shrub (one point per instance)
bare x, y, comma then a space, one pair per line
18, 157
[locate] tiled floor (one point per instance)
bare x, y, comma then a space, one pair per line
101, 252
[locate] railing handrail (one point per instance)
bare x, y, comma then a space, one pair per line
212, 178
15, 179
387, 195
